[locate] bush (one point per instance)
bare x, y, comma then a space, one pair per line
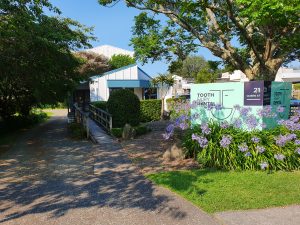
77, 131
140, 130
100, 104
230, 146
174, 104
117, 132
124, 106
150, 110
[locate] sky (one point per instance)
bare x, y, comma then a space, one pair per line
112, 26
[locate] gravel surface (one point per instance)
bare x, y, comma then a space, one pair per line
47, 178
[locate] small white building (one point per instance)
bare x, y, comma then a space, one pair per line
283, 74
129, 77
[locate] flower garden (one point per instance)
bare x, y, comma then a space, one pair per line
239, 144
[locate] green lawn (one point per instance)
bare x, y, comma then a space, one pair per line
215, 191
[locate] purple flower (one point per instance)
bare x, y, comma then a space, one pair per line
255, 139
183, 126
243, 147
251, 121
280, 109
205, 129
279, 157
170, 128
218, 107
297, 151
225, 141
224, 125
297, 142
210, 106
203, 142
263, 165
166, 136
263, 125
295, 119
237, 123
260, 149
244, 111
281, 140
247, 154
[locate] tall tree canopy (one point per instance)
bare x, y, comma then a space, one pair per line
37, 64
266, 32
120, 60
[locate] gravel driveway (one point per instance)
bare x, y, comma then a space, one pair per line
47, 178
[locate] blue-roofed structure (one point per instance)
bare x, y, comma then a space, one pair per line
128, 77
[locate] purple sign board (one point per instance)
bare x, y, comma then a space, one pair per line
254, 93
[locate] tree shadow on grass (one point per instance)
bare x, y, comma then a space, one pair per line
49, 173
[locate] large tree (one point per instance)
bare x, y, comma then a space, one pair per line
266, 33
37, 63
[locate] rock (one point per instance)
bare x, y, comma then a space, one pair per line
128, 132
174, 152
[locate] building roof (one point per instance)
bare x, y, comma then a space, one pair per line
108, 51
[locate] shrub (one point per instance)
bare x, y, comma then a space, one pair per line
117, 132
230, 146
100, 104
176, 106
124, 106
77, 131
150, 110
140, 130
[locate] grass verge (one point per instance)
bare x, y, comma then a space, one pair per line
216, 191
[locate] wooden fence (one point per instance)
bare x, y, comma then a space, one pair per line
82, 118
102, 117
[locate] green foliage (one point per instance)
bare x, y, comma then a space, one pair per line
37, 65
255, 36
232, 158
196, 67
117, 132
100, 104
118, 61
124, 106
77, 131
17, 121
173, 104
150, 110
141, 130
216, 191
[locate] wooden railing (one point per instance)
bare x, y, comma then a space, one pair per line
82, 117
102, 117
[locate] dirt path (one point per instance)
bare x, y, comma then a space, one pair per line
46, 178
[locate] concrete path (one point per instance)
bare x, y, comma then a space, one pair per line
46, 178
289, 215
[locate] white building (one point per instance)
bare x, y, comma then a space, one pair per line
283, 74
108, 51
129, 77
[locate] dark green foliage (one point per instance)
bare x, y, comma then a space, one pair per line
77, 131
117, 132
124, 106
140, 130
118, 61
216, 156
100, 104
37, 64
150, 110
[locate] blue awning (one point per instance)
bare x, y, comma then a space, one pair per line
128, 83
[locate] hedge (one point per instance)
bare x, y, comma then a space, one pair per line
124, 106
100, 104
150, 110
